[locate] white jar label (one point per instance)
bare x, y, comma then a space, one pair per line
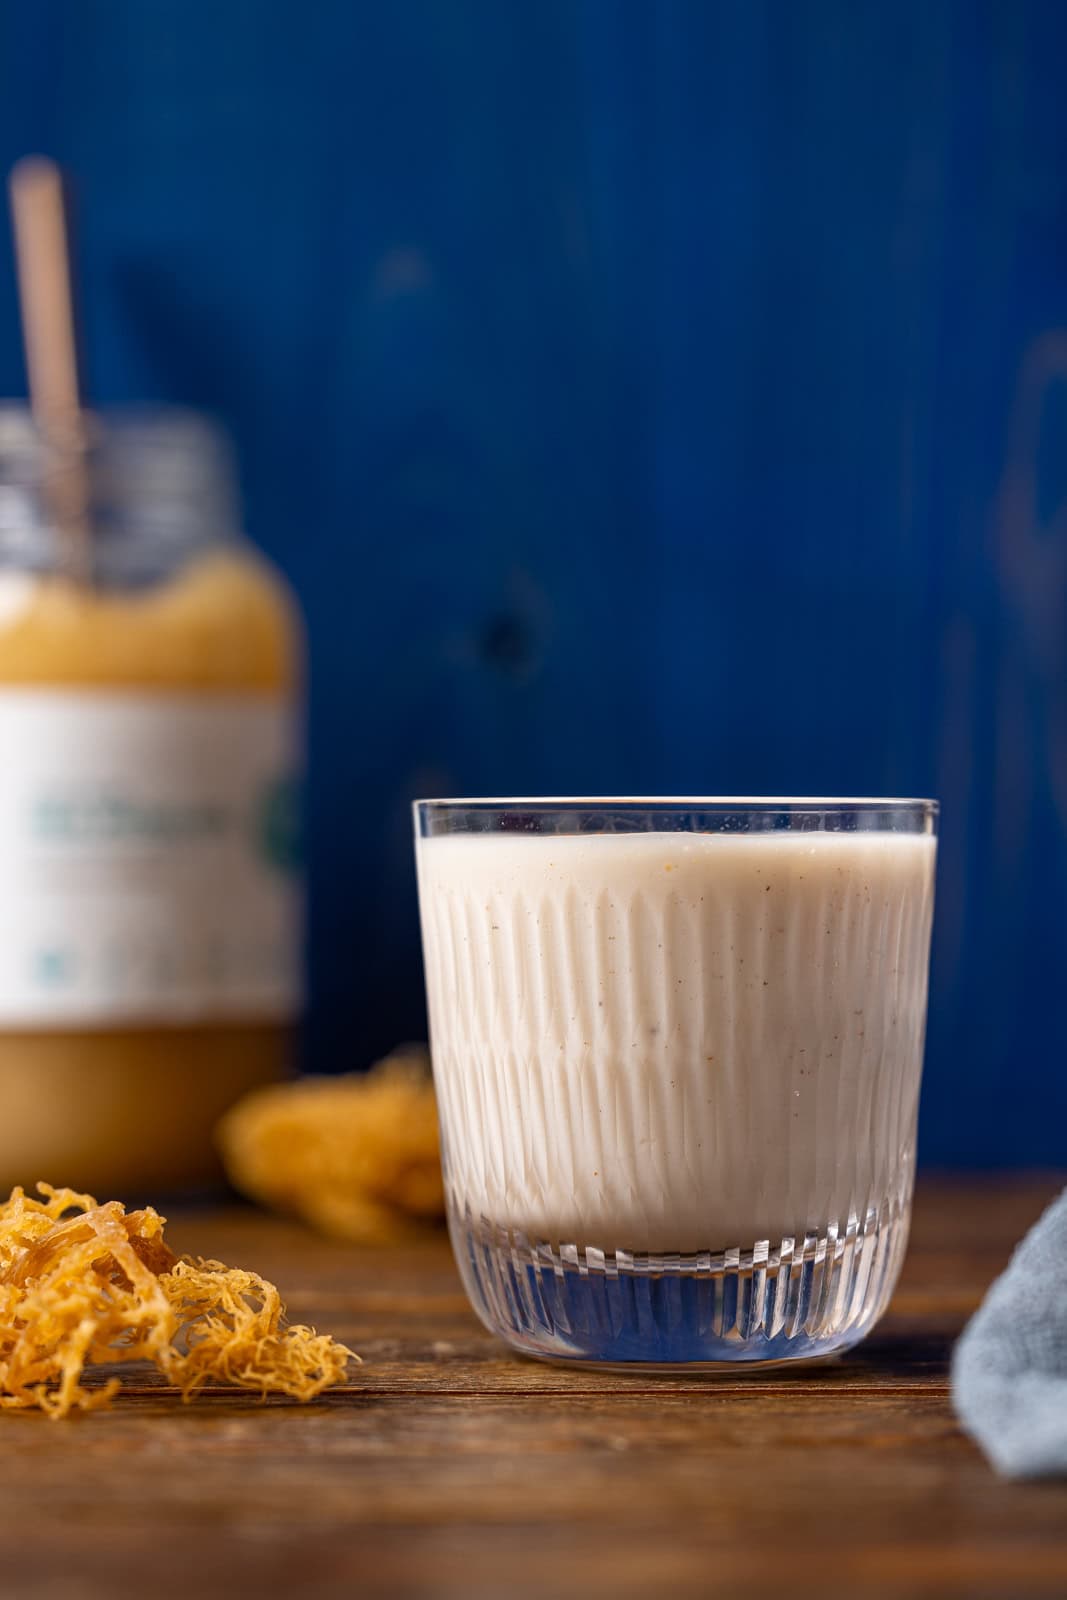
148, 858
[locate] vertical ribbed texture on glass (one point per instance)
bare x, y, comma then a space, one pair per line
668, 1045
800, 1298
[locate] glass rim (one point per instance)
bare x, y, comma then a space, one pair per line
810, 803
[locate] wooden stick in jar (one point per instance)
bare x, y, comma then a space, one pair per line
43, 260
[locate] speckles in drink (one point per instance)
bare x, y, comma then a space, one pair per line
554, 1051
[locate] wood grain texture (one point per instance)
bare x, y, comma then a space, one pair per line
448, 1469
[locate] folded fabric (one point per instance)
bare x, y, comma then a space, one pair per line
1009, 1370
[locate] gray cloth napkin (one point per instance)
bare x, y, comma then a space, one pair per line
1009, 1370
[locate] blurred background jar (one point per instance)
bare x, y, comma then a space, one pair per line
150, 894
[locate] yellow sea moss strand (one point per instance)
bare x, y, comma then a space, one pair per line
101, 1286
357, 1157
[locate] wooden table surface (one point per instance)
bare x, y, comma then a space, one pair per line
449, 1468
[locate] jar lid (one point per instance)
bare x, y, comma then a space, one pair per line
161, 486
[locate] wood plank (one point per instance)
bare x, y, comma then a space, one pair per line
447, 1468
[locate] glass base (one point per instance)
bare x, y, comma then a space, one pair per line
798, 1299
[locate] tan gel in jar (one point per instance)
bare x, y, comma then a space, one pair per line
150, 899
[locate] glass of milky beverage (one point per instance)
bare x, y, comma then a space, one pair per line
677, 1047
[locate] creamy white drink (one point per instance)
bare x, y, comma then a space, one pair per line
677, 1042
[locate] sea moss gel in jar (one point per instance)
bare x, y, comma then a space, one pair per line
149, 888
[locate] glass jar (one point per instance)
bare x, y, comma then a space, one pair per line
151, 902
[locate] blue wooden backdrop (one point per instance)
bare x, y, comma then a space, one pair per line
641, 396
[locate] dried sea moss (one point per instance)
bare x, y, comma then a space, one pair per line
356, 1156
83, 1284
